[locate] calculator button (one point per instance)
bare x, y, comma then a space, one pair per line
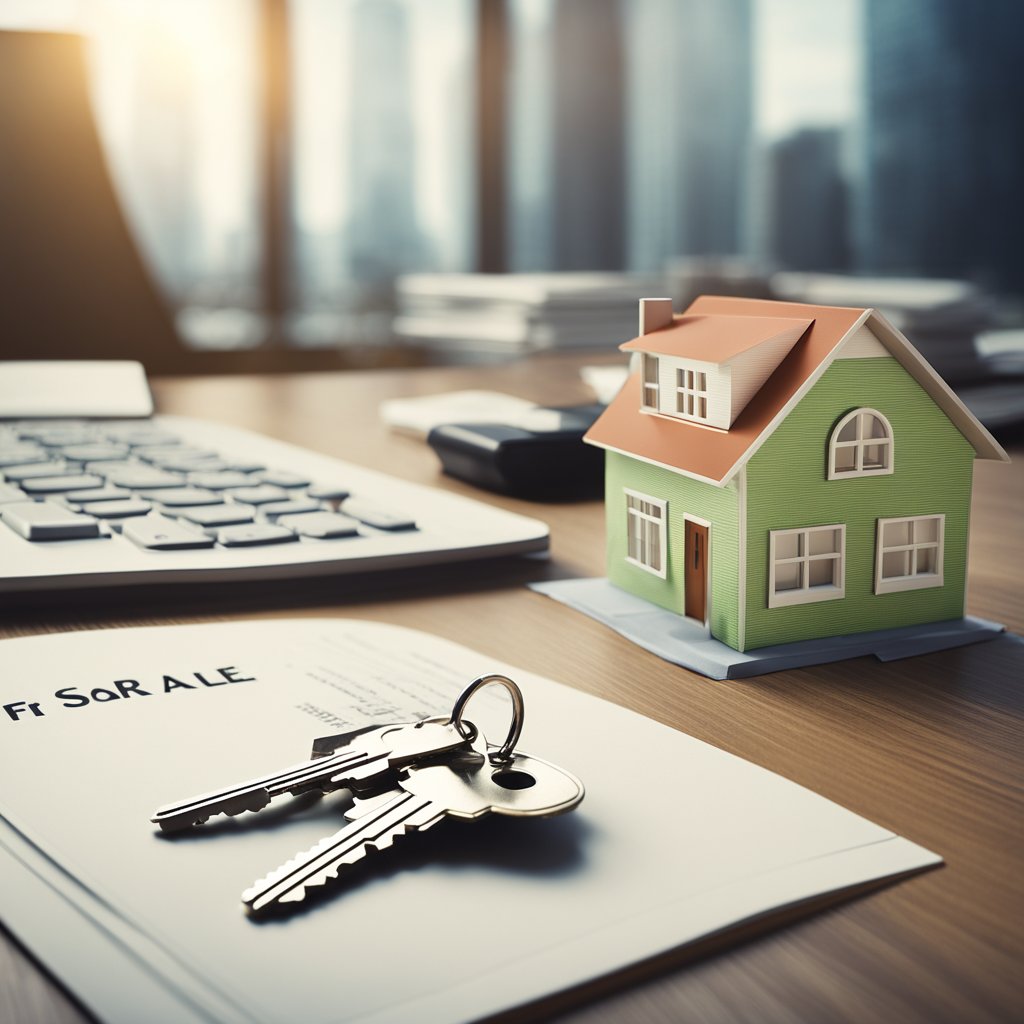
21, 455
158, 533
217, 515
116, 509
321, 525
141, 478
294, 507
9, 493
189, 464
60, 484
379, 518
264, 494
242, 465
182, 497
250, 536
139, 437
52, 468
94, 452
328, 492
282, 478
219, 480
97, 494
55, 437
155, 453
46, 520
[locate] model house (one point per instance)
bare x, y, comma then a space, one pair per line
780, 472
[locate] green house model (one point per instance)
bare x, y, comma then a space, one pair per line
779, 472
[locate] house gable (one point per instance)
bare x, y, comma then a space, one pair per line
788, 488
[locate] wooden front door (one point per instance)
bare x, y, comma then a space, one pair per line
695, 543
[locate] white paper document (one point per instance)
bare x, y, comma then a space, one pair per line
675, 839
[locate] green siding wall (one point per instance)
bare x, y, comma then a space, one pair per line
717, 505
787, 486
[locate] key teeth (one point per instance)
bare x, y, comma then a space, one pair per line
322, 877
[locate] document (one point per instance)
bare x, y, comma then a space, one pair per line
674, 840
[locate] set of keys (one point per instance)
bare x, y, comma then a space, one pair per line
405, 779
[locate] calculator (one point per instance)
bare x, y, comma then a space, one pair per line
95, 502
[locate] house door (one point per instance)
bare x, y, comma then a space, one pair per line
695, 544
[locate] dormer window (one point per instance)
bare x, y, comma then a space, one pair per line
692, 393
861, 445
650, 381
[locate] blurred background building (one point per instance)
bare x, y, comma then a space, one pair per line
285, 162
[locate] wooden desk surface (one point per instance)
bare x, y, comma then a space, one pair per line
929, 747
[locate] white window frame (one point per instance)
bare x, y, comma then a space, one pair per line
859, 444
691, 389
649, 389
913, 580
806, 594
660, 522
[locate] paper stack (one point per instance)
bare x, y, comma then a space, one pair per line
513, 314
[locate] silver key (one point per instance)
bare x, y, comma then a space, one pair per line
374, 756
527, 787
273, 510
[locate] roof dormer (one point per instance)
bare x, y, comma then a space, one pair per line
706, 368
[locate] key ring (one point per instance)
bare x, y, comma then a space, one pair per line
504, 753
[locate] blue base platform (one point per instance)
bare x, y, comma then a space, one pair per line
682, 642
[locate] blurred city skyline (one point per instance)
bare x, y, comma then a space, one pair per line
637, 131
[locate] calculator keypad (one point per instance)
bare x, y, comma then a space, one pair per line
81, 481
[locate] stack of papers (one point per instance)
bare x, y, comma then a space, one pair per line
674, 841
512, 314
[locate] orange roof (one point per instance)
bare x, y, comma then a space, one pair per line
713, 339
714, 454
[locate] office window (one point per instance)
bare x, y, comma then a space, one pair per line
861, 445
909, 553
382, 135
646, 519
650, 381
806, 565
692, 393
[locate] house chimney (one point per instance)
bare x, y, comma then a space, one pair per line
654, 313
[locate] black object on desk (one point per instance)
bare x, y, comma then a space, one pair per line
541, 455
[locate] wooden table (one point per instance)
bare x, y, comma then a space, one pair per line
930, 747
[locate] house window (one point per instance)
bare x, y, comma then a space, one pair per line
806, 565
861, 445
692, 394
645, 529
650, 375
909, 553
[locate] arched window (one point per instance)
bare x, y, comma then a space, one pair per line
861, 445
